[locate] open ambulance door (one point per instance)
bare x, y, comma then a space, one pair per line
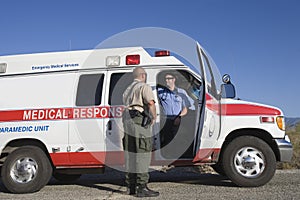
209, 124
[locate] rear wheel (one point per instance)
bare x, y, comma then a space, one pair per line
25, 170
249, 161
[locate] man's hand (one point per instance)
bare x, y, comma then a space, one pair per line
183, 112
177, 120
152, 111
153, 122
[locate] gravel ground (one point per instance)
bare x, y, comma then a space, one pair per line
177, 183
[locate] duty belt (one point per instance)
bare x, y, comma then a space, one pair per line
134, 113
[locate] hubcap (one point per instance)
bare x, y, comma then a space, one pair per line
249, 162
24, 170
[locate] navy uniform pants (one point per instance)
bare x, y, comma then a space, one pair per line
169, 128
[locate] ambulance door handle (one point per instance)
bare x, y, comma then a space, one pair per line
79, 149
109, 125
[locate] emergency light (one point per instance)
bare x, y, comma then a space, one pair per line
3, 67
162, 53
113, 61
267, 119
133, 59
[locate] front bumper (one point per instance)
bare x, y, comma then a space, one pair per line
285, 149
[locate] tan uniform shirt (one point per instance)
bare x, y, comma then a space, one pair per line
140, 96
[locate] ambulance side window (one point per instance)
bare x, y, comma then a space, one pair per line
118, 84
89, 90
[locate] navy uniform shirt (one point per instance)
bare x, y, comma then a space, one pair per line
174, 101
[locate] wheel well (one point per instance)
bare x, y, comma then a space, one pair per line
259, 133
14, 144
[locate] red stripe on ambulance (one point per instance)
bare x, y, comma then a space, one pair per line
62, 113
239, 109
248, 109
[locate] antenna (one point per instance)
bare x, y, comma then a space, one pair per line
70, 45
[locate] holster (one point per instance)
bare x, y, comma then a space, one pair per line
147, 119
133, 113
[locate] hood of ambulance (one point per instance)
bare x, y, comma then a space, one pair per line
244, 108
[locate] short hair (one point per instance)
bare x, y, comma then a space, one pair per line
170, 73
137, 72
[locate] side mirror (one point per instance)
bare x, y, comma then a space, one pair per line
227, 89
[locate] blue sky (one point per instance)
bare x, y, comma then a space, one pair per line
256, 41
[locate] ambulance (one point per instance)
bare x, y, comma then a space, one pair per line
60, 116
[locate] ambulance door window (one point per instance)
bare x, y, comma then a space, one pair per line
212, 88
89, 91
118, 84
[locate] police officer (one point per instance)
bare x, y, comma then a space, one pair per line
139, 100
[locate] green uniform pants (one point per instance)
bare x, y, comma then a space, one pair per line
137, 143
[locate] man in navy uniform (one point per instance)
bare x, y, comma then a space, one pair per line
175, 103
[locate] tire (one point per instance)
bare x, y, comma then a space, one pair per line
219, 168
66, 178
249, 162
26, 170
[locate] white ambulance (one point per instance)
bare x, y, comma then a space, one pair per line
60, 115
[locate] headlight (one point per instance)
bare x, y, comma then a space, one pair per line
280, 123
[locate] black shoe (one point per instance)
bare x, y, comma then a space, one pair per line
131, 190
144, 191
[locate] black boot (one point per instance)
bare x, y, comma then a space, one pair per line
131, 190
144, 191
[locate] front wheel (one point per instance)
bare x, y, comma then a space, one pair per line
249, 161
27, 169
